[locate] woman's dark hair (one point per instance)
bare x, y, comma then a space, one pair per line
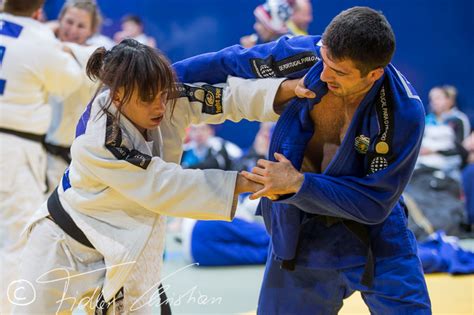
131, 65
362, 35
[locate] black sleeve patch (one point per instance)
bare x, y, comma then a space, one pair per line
208, 95
269, 68
113, 143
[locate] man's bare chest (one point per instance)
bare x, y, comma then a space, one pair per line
331, 120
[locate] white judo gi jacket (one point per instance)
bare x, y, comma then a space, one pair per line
118, 201
66, 112
32, 66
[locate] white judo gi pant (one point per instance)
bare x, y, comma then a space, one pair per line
58, 274
22, 186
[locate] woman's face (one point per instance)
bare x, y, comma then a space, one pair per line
75, 26
439, 101
144, 115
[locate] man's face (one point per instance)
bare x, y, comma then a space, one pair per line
343, 78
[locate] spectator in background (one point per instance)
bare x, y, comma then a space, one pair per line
446, 128
270, 22
132, 27
243, 241
205, 150
301, 18
444, 111
259, 149
468, 179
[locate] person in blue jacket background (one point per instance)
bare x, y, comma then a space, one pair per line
338, 163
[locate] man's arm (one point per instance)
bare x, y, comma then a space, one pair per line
286, 57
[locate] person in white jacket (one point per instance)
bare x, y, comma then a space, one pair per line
32, 66
77, 22
102, 230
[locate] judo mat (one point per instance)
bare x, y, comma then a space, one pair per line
234, 290
238, 289
453, 295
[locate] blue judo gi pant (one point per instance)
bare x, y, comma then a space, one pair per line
399, 288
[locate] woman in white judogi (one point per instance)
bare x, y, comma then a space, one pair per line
123, 178
78, 20
33, 65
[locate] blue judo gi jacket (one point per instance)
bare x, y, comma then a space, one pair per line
364, 181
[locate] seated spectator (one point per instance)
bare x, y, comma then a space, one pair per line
301, 18
132, 27
240, 242
204, 150
259, 149
270, 23
468, 179
445, 130
445, 112
440, 151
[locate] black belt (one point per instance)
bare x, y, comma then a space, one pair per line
361, 232
62, 152
64, 220
66, 223
24, 135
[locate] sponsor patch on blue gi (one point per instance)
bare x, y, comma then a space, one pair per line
268, 68
379, 163
2, 54
10, 29
361, 144
2, 86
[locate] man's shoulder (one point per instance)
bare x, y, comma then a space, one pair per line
404, 88
405, 98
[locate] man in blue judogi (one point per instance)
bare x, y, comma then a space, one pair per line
339, 163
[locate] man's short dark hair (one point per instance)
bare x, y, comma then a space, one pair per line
362, 35
22, 7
